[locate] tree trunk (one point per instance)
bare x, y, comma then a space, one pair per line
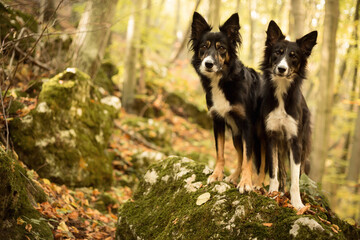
252, 7
353, 47
88, 47
132, 42
296, 19
324, 102
214, 13
176, 54
142, 51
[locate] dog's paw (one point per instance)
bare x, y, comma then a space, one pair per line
215, 177
245, 185
233, 178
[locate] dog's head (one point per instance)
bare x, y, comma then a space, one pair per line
214, 51
283, 58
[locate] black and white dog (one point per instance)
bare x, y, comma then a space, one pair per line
231, 92
284, 112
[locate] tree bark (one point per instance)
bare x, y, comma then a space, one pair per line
214, 13
88, 47
252, 7
324, 102
132, 48
296, 19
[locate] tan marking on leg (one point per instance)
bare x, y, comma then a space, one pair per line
246, 172
239, 109
261, 176
218, 173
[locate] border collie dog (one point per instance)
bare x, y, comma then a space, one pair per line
284, 112
231, 91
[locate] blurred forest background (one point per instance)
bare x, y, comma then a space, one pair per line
146, 43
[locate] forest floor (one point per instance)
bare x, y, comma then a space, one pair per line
90, 213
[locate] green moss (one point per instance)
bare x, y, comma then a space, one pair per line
17, 194
165, 208
65, 137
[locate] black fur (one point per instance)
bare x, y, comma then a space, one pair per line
296, 55
239, 84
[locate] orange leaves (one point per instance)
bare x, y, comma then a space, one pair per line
72, 213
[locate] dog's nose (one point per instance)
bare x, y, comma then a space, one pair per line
281, 69
209, 64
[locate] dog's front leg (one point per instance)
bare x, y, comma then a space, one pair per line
295, 175
273, 153
245, 184
233, 178
260, 178
219, 133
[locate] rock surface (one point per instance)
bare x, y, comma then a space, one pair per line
19, 195
174, 202
65, 137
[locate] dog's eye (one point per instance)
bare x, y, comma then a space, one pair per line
292, 55
203, 46
280, 51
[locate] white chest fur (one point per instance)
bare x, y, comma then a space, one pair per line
220, 104
278, 120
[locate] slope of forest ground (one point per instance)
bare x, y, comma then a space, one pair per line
167, 123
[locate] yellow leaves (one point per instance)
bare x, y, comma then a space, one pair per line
63, 227
267, 224
19, 221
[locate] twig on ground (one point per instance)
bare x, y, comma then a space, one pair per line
138, 138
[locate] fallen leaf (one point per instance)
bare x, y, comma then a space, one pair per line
63, 227
19, 221
28, 227
203, 198
267, 224
324, 221
336, 227
334, 230
303, 209
73, 215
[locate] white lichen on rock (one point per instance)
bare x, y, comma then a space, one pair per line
304, 221
190, 185
221, 188
207, 170
186, 160
111, 101
165, 178
27, 120
45, 141
43, 108
151, 176
180, 171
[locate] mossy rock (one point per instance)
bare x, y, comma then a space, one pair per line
166, 206
103, 77
180, 106
65, 137
156, 132
18, 197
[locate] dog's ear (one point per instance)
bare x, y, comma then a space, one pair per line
274, 34
199, 26
307, 42
231, 28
